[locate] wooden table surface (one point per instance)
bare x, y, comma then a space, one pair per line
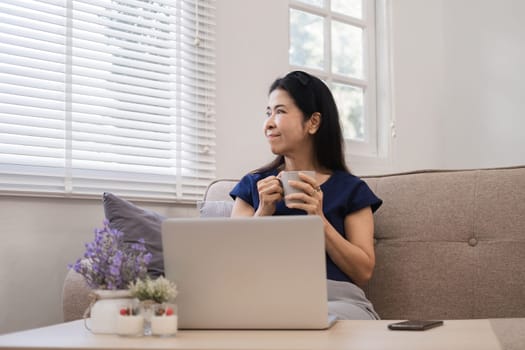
370, 335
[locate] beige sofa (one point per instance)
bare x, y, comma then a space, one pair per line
449, 245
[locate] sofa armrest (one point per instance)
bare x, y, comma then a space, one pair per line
217, 201
219, 190
75, 296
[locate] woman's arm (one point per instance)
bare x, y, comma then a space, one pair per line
241, 208
354, 255
270, 192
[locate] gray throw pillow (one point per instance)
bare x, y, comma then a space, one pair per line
135, 223
212, 209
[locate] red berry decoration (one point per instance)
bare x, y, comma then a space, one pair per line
159, 312
169, 311
124, 312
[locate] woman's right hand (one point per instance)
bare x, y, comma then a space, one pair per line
270, 192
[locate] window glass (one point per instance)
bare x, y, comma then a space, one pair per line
351, 8
347, 50
350, 101
306, 39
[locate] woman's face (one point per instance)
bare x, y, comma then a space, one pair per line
284, 126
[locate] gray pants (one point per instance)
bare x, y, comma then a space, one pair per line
347, 301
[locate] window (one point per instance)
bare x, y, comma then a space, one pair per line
335, 40
107, 95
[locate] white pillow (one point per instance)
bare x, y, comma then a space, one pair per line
211, 209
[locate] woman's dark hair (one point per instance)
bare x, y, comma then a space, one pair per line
312, 95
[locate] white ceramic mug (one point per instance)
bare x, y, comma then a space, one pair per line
286, 176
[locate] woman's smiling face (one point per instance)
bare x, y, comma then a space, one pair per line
285, 127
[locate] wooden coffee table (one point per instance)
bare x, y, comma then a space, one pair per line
454, 334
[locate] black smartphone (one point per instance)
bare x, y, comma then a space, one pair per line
414, 325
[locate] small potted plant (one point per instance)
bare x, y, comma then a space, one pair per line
108, 266
155, 297
111, 263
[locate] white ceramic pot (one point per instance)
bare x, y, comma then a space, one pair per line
164, 325
164, 320
130, 325
105, 310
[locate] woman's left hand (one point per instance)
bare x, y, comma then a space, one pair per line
311, 195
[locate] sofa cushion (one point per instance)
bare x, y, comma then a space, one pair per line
135, 223
449, 244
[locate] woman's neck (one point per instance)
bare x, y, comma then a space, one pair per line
291, 164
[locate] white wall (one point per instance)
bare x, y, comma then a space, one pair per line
417, 75
39, 238
458, 87
252, 50
484, 106
458, 83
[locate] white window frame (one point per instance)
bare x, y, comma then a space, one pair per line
373, 152
124, 167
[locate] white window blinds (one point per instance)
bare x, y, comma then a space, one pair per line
107, 95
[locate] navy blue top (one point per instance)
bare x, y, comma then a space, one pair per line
343, 193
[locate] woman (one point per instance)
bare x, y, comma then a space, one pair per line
303, 130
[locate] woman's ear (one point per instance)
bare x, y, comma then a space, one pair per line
315, 122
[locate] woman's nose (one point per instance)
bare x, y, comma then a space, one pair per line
269, 122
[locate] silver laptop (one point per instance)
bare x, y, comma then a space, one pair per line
248, 273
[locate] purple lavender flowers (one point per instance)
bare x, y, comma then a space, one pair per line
111, 263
